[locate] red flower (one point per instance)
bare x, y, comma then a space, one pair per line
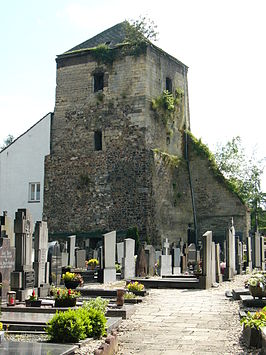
33, 293
69, 292
58, 292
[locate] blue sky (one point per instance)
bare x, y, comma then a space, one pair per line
222, 42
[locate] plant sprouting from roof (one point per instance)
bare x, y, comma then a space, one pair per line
140, 30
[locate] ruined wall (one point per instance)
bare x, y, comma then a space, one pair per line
120, 186
167, 138
215, 203
108, 189
173, 209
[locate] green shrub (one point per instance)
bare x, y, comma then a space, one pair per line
98, 303
98, 322
83, 315
66, 327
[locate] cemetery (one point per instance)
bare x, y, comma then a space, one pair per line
120, 261
43, 283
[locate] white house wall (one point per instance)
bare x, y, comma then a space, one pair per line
22, 163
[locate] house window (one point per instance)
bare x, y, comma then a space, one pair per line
98, 82
168, 85
98, 144
34, 192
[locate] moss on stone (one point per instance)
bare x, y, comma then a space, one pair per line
170, 160
203, 150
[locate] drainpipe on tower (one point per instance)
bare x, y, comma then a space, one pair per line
187, 158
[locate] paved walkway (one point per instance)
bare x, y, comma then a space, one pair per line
184, 322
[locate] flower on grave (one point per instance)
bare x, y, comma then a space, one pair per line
257, 280
135, 286
92, 262
33, 296
71, 276
64, 293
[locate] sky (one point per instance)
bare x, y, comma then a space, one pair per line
222, 43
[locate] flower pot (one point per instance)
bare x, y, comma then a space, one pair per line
252, 337
72, 284
66, 302
33, 303
257, 291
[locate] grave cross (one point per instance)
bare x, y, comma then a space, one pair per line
166, 246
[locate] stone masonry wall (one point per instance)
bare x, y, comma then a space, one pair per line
85, 189
173, 209
215, 203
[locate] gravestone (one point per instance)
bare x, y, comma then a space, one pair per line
230, 253
64, 258
165, 261
249, 253
55, 260
71, 250
176, 260
141, 263
151, 259
7, 265
219, 277
119, 252
213, 264
128, 261
239, 256
41, 265
80, 258
262, 253
257, 252
22, 279
6, 228
192, 254
109, 270
206, 278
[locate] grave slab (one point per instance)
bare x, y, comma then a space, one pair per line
23, 348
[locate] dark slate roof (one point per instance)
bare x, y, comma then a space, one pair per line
112, 36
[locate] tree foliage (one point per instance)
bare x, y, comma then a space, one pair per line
245, 173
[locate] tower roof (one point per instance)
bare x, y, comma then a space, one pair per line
112, 36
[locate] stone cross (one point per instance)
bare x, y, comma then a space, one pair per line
22, 279
166, 247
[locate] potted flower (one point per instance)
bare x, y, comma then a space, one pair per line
256, 284
33, 300
72, 280
66, 297
136, 287
92, 263
252, 324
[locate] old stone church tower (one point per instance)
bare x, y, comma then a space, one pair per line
120, 156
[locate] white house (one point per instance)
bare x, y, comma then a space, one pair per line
22, 170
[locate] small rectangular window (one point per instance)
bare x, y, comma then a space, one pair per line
98, 140
34, 192
98, 82
168, 85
